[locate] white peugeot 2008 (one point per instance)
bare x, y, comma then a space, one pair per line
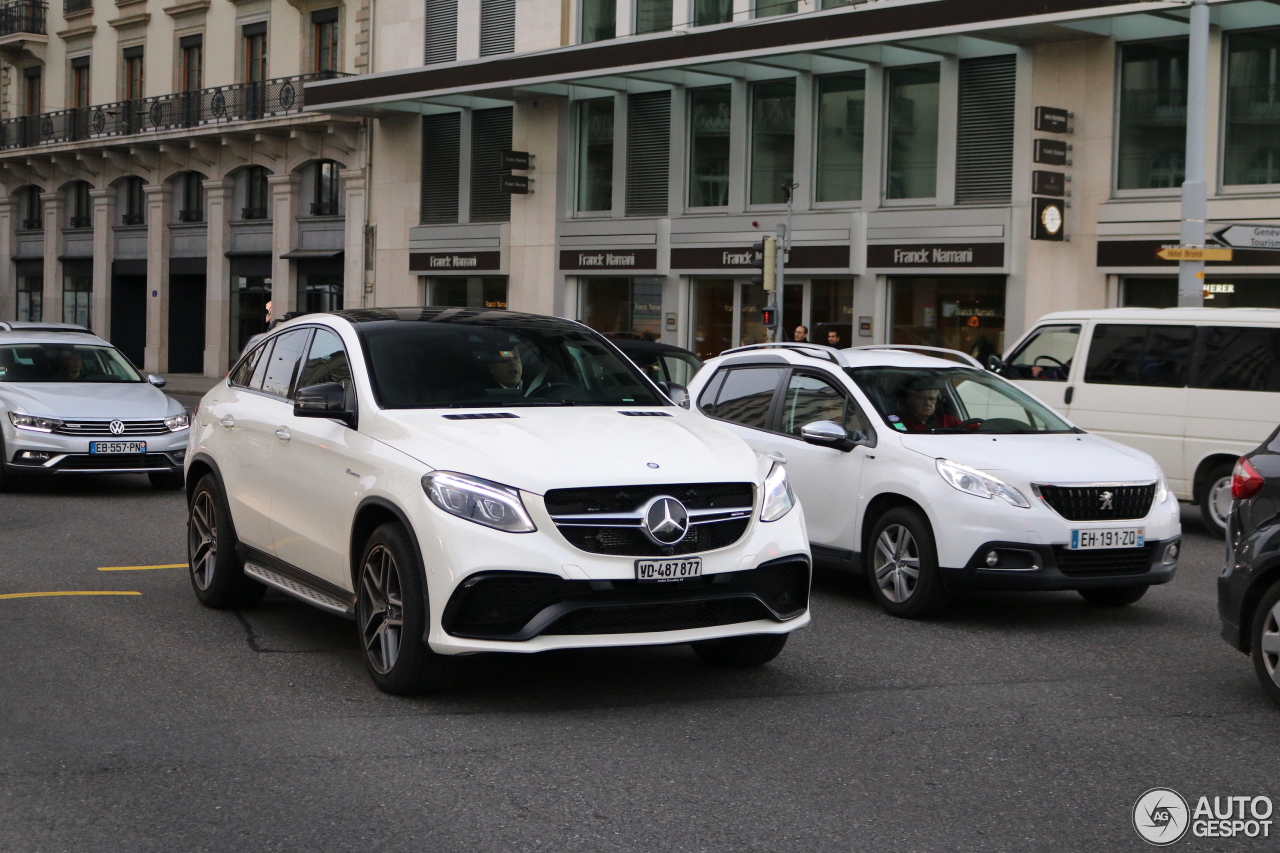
465, 481
933, 476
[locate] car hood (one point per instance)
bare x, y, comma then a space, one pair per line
550, 448
90, 400
1072, 458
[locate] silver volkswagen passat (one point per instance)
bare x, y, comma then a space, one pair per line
70, 403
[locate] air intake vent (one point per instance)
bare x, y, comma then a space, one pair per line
648, 153
984, 147
646, 414
440, 168
497, 27
480, 416
490, 135
441, 31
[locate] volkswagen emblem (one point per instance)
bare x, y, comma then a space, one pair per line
1105, 497
117, 427
666, 521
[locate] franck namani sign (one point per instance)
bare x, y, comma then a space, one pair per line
608, 259
454, 261
958, 255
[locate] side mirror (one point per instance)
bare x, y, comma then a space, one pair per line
158, 381
677, 394
994, 363
327, 400
829, 434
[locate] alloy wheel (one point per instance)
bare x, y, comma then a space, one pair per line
202, 539
1220, 501
381, 609
897, 563
1270, 643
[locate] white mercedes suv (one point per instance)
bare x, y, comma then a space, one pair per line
463, 481
933, 476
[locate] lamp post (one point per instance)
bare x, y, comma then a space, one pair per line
1194, 188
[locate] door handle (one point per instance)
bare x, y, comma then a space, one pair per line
227, 421
283, 434
1068, 394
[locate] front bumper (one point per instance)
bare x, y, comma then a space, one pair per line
1023, 566
39, 454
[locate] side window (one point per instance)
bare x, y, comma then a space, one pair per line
243, 373
260, 369
745, 396
810, 399
326, 362
283, 362
1140, 355
1237, 358
680, 369
1046, 355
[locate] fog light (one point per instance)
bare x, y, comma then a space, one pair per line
1171, 554
34, 455
993, 559
178, 455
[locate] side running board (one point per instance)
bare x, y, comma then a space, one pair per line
300, 590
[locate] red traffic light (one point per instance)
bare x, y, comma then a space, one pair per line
771, 316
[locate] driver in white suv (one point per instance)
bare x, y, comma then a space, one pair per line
460, 481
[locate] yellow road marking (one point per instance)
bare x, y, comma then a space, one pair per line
140, 568
43, 594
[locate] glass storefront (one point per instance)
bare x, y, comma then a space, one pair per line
1221, 290
320, 292
712, 316
77, 300
466, 292
831, 312
249, 297
728, 313
964, 313
623, 306
30, 298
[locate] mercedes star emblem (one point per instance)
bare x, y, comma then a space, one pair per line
666, 521
117, 427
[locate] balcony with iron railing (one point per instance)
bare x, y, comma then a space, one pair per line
24, 17
210, 108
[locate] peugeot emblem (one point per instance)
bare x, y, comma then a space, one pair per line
1105, 497
666, 521
117, 427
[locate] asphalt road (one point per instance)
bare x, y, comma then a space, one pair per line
1014, 722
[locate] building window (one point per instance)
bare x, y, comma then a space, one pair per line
769, 8
191, 197
441, 31
497, 27
653, 16
599, 20
135, 202
709, 114
255, 52
33, 91
441, 168
466, 292
1152, 144
30, 209
324, 38
192, 49
773, 141
964, 313
630, 307
80, 206
133, 74
913, 132
77, 299
595, 155
30, 298
842, 102
708, 12
80, 82
255, 193
327, 186
1252, 150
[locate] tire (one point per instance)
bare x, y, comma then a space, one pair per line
1215, 500
902, 565
166, 481
1265, 643
741, 652
391, 618
217, 575
1113, 596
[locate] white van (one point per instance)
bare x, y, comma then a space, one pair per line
1194, 387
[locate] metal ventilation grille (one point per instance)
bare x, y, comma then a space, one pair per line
648, 153
490, 135
480, 416
441, 31
984, 148
441, 135
497, 27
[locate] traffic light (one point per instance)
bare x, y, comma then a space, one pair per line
770, 317
767, 251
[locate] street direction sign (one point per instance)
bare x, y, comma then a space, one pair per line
1191, 253
1249, 236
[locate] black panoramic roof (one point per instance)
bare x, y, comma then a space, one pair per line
458, 316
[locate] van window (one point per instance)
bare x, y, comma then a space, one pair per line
1140, 355
1237, 358
1046, 355
746, 395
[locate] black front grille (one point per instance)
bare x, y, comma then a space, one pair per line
1099, 503
1111, 561
112, 462
638, 618
631, 541
102, 429
629, 498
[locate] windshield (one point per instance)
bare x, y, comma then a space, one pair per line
64, 363
429, 365
954, 400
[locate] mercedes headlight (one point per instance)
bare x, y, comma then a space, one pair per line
178, 422
974, 482
34, 423
481, 501
778, 497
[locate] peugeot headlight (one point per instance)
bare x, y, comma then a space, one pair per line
1162, 489
974, 482
778, 497
477, 500
178, 422
34, 423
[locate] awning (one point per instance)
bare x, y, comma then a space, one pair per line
311, 254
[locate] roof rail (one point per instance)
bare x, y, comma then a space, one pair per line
811, 350
923, 350
30, 326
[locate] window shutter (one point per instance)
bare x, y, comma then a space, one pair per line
490, 135
984, 148
497, 27
441, 142
441, 31
648, 153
